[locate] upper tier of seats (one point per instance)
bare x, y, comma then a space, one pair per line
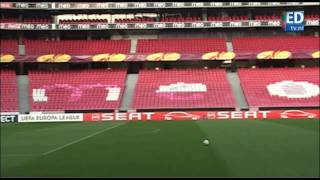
82, 21
265, 17
79, 20
9, 47
76, 47
312, 16
9, 20
199, 45
186, 46
277, 17
181, 19
38, 20
289, 43
227, 18
134, 20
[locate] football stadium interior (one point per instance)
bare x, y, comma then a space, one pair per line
162, 77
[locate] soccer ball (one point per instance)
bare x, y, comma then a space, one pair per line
206, 142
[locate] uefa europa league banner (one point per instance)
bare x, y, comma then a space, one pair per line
71, 117
160, 56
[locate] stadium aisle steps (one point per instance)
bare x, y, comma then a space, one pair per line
130, 84
237, 90
23, 91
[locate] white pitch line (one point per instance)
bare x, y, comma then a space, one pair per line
81, 139
18, 155
156, 130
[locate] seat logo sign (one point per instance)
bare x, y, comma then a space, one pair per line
297, 114
293, 21
180, 115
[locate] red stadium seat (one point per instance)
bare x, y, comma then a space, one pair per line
254, 83
181, 19
183, 88
83, 21
37, 20
76, 47
9, 20
9, 93
200, 45
289, 43
9, 47
135, 20
76, 89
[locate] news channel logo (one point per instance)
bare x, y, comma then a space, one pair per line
293, 21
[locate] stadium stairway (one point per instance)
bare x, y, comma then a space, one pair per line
237, 90
228, 64
23, 93
131, 82
22, 50
133, 47
229, 46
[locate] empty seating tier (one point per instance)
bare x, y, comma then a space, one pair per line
265, 17
9, 47
227, 18
200, 45
9, 93
76, 47
9, 20
82, 21
181, 19
135, 20
38, 20
281, 87
76, 89
292, 43
314, 16
183, 88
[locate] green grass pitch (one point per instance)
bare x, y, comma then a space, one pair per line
238, 148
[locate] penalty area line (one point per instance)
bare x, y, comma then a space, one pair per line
81, 139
